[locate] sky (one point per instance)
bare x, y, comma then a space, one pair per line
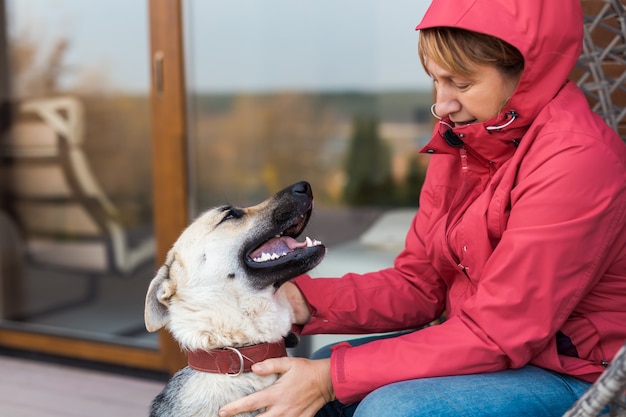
230, 45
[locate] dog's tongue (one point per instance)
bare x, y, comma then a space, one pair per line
278, 245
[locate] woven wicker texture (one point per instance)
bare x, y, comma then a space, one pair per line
601, 69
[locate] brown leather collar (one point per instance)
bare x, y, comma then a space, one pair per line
234, 361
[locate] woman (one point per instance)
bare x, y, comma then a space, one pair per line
520, 238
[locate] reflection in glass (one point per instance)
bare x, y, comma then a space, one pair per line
329, 93
75, 171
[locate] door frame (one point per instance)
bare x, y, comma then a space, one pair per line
169, 142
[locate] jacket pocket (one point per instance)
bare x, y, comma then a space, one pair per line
585, 338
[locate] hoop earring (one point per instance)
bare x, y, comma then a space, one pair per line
432, 111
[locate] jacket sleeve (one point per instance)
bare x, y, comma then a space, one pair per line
556, 245
409, 295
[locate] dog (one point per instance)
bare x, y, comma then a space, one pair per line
217, 296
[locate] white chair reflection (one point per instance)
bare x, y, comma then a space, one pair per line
67, 221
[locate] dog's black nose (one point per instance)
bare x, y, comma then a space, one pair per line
302, 187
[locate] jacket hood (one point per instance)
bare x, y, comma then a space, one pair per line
548, 33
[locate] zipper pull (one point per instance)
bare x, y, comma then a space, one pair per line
463, 269
604, 363
464, 163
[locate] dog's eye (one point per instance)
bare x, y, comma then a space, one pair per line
231, 213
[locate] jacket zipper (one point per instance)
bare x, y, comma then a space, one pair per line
464, 174
465, 171
464, 162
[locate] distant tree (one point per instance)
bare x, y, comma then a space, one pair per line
260, 144
368, 166
408, 193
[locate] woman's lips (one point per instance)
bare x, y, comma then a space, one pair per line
456, 124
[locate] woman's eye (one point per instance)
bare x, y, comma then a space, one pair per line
462, 86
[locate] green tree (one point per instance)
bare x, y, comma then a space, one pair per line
408, 193
368, 167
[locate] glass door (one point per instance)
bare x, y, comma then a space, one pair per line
78, 246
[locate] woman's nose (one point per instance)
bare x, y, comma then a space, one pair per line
446, 104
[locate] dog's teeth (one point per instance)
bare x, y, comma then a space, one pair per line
312, 242
263, 258
267, 257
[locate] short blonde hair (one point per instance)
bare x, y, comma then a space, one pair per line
458, 50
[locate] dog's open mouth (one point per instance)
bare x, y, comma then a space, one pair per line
273, 256
279, 247
282, 246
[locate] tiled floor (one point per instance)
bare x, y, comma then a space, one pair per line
30, 388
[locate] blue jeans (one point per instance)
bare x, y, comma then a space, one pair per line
529, 391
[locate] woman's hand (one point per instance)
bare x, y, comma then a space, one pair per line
304, 386
297, 301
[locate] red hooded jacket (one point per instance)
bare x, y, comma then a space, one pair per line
520, 236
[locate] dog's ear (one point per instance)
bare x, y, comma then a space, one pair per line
161, 289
